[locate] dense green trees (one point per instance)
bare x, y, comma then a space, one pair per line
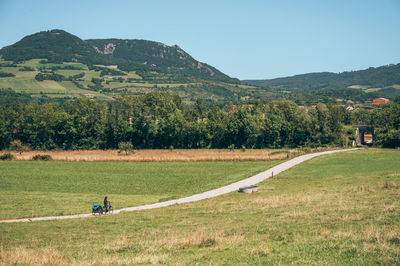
385, 119
49, 76
161, 120
6, 75
76, 125
111, 72
56, 46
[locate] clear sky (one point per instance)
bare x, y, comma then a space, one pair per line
245, 39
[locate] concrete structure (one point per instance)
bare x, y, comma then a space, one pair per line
361, 133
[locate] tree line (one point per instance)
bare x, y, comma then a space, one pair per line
385, 118
162, 120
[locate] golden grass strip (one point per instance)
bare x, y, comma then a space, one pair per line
163, 155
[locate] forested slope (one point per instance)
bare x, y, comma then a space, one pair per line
378, 77
59, 46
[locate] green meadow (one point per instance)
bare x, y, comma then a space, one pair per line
338, 209
37, 188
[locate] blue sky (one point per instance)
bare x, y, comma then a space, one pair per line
244, 39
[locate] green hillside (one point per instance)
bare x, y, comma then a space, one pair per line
383, 81
42, 81
55, 45
59, 46
56, 65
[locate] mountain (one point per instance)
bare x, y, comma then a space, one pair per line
58, 66
168, 59
55, 45
59, 46
384, 77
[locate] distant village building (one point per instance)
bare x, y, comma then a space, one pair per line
378, 101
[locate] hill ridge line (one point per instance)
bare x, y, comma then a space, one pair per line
250, 181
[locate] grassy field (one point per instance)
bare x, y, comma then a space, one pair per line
24, 81
334, 210
25, 84
190, 89
31, 188
36, 63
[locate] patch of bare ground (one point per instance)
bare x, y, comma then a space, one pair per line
23, 74
357, 87
163, 155
108, 66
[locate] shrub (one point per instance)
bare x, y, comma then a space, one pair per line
44, 157
350, 132
49, 76
17, 145
6, 75
125, 146
209, 242
27, 68
389, 185
388, 138
6, 156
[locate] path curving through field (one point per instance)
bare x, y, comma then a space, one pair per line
201, 196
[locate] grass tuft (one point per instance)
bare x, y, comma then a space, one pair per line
389, 185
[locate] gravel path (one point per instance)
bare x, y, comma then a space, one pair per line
205, 195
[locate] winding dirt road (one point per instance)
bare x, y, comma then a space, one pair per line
205, 195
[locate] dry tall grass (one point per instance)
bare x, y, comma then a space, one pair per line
151, 241
48, 256
164, 155
25, 256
